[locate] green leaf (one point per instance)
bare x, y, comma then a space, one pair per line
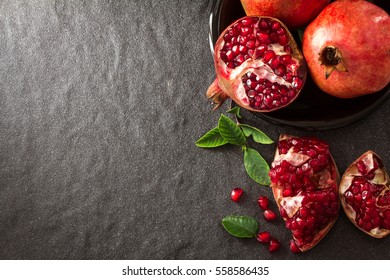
235, 111
241, 226
256, 167
257, 135
230, 131
211, 139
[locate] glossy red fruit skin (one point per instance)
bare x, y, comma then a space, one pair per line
379, 178
236, 194
360, 32
294, 14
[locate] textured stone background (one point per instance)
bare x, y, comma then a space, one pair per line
100, 105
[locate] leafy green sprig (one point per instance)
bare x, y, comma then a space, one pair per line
229, 132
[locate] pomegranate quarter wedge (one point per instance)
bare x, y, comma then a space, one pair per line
365, 195
304, 181
258, 65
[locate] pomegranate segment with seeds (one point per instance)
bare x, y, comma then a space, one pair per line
304, 180
365, 195
258, 65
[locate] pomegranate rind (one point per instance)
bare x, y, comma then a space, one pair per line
293, 207
358, 30
381, 177
228, 82
294, 14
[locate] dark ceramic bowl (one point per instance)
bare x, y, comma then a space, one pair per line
313, 109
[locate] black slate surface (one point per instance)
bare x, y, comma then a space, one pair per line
100, 105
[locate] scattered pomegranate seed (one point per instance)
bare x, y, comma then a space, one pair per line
236, 194
264, 237
269, 215
274, 245
263, 202
293, 247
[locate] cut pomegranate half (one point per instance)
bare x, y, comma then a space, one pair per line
258, 65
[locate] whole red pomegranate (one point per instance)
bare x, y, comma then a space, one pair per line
347, 48
365, 195
294, 14
258, 65
304, 181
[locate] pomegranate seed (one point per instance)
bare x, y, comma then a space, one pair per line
236, 194
247, 21
285, 59
361, 167
263, 37
280, 70
242, 39
370, 175
264, 237
275, 25
235, 50
297, 83
274, 37
263, 202
263, 25
240, 59
268, 55
288, 49
245, 30
274, 62
283, 40
269, 215
229, 55
287, 192
293, 247
250, 44
274, 245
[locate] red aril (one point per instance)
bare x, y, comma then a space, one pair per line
263, 202
258, 65
305, 167
274, 245
365, 195
297, 13
347, 48
294, 247
269, 215
264, 237
236, 194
